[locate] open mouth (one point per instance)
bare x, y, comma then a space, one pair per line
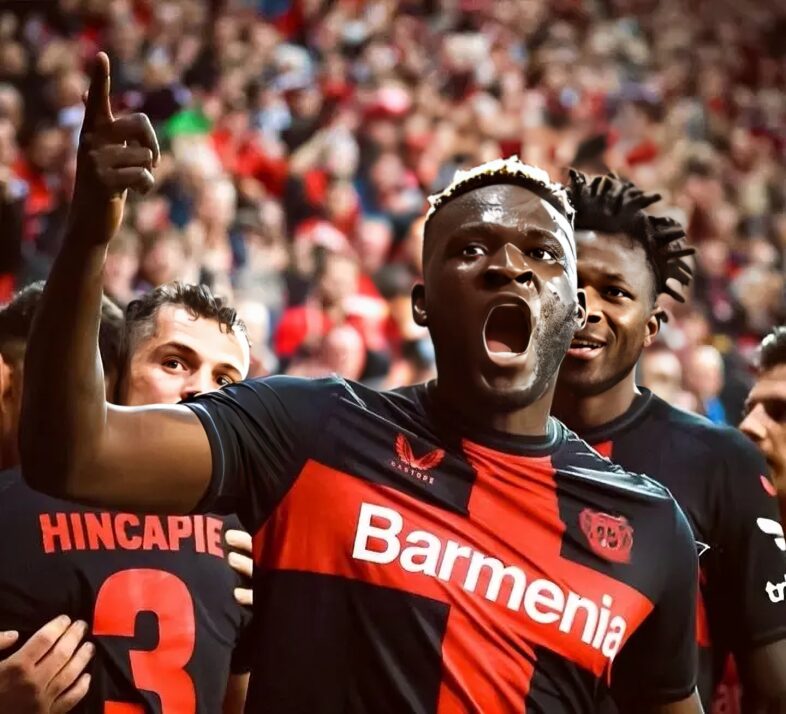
507, 330
585, 347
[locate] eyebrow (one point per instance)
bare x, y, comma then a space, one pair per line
616, 277
193, 354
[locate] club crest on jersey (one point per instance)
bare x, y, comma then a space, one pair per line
416, 466
610, 537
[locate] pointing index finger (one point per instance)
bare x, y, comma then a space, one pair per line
97, 107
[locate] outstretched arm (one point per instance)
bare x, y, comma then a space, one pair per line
73, 444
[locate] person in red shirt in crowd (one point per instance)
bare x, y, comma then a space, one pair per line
244, 154
40, 167
335, 300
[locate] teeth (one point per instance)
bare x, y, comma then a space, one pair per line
588, 345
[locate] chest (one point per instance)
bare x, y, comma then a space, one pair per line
513, 553
691, 475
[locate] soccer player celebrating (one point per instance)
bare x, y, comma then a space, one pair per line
765, 414
444, 548
625, 260
155, 591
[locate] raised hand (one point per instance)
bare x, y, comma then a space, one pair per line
115, 154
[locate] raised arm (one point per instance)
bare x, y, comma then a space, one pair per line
72, 443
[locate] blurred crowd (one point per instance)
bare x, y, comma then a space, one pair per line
300, 139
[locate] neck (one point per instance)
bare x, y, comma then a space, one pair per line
580, 412
531, 420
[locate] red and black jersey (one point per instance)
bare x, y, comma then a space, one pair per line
405, 565
719, 479
156, 591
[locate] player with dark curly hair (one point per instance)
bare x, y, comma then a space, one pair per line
626, 260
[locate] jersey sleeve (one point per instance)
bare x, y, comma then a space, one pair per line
261, 432
753, 551
659, 663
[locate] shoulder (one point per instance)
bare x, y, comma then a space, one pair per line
15, 490
278, 391
578, 459
8, 477
10, 481
286, 386
695, 435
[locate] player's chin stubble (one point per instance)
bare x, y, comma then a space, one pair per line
550, 340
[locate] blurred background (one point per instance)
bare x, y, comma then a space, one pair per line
301, 137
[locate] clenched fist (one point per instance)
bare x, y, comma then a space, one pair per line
114, 154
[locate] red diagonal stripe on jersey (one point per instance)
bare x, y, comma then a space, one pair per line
604, 448
488, 649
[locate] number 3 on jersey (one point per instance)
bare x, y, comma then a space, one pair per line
121, 598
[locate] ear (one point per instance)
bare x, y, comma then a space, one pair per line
419, 305
652, 328
580, 314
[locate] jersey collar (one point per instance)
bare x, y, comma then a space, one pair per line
491, 438
637, 410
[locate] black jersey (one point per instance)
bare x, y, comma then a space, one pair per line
156, 592
719, 479
404, 565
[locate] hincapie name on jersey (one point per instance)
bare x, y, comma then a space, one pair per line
126, 531
379, 538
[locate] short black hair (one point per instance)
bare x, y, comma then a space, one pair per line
16, 319
198, 300
610, 204
509, 171
772, 351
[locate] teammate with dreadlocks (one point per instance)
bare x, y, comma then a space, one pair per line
419, 550
626, 259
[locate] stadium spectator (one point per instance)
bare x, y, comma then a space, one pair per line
334, 120
704, 377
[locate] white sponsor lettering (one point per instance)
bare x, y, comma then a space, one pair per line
378, 540
774, 529
777, 591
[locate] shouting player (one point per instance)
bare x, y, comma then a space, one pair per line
625, 258
444, 548
765, 413
156, 591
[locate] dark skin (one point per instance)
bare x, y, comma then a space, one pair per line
598, 385
497, 245
93, 452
